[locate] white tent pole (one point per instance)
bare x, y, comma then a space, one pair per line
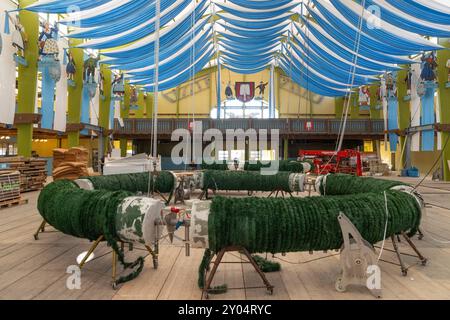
156, 87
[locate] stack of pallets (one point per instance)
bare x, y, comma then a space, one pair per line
33, 172
10, 189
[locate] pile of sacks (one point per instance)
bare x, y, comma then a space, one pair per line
70, 164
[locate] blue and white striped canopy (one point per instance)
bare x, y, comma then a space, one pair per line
326, 46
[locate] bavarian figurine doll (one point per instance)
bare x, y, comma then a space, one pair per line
47, 42
408, 81
71, 67
19, 37
262, 89
429, 66
229, 91
448, 67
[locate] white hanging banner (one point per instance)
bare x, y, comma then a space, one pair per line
61, 94
117, 116
438, 120
7, 70
95, 107
384, 102
36, 102
415, 106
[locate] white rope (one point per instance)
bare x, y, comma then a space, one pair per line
156, 86
385, 228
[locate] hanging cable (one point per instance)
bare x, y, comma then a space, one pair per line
352, 75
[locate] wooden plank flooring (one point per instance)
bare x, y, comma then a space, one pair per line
37, 269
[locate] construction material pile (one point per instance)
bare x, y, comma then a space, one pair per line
9, 186
33, 172
70, 164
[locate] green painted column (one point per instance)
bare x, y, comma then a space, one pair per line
354, 106
444, 96
27, 78
105, 105
141, 106
149, 105
374, 113
75, 94
404, 112
125, 112
339, 107
286, 149
123, 147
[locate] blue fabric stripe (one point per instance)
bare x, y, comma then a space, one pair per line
48, 99
61, 6
428, 116
393, 122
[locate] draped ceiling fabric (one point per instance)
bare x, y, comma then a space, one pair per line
326, 46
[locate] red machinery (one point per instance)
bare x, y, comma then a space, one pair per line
346, 161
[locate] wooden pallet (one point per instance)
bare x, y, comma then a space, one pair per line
13, 203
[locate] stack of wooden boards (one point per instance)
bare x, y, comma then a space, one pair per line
33, 172
70, 164
377, 168
9, 186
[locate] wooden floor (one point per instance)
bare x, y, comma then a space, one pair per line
32, 269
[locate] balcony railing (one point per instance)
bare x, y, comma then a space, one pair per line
290, 127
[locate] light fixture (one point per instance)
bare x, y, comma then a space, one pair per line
2, 138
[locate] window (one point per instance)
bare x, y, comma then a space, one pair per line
235, 109
255, 156
223, 155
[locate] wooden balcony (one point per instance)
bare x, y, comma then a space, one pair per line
288, 128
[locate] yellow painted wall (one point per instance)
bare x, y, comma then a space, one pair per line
292, 101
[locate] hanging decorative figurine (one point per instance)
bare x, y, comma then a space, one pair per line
48, 46
379, 96
364, 98
229, 92
429, 67
89, 74
262, 89
391, 86
408, 81
49, 52
447, 85
19, 41
118, 87
70, 69
89, 69
134, 98
101, 85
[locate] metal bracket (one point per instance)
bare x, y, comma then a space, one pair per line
356, 256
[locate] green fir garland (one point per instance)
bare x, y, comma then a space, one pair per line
162, 182
307, 224
87, 215
245, 181
283, 165
342, 184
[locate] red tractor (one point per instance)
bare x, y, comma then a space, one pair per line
346, 161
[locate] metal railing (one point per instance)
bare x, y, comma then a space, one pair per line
291, 127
